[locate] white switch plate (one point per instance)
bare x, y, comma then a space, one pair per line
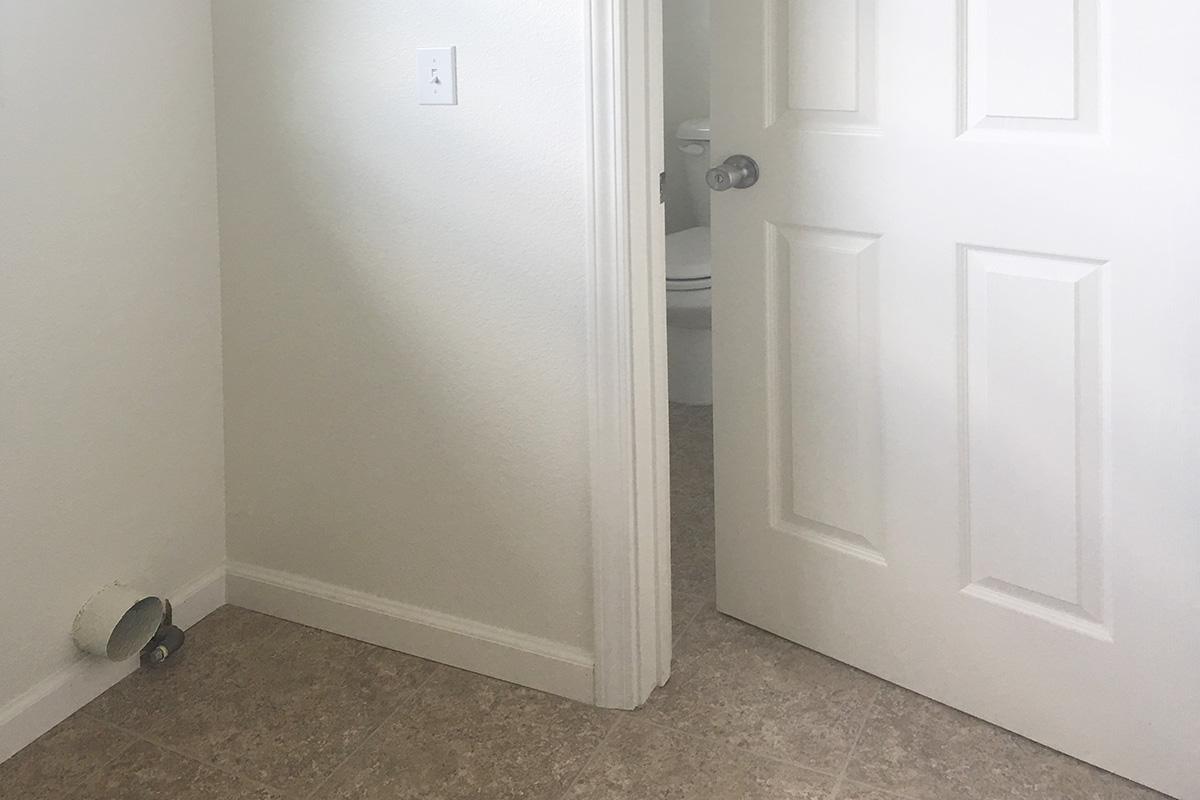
437, 76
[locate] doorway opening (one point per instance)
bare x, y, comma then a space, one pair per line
687, 156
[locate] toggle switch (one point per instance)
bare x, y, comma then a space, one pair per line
437, 78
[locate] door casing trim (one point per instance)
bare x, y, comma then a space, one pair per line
627, 369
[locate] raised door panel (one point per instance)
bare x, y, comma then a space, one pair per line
821, 64
1034, 363
824, 387
1031, 67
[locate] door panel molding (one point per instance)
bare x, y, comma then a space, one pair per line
825, 446
1017, 86
1035, 465
820, 68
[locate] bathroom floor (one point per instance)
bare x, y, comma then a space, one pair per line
256, 707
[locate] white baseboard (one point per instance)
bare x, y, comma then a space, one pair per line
486, 649
474, 646
74, 686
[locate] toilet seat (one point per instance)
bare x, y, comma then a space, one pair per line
689, 260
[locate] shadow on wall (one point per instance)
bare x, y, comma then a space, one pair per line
405, 309
686, 67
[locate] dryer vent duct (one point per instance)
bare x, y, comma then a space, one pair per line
117, 622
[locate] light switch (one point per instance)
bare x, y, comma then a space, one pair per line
437, 76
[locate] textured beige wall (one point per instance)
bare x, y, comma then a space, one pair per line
110, 355
404, 300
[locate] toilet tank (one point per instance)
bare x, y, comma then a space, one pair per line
692, 137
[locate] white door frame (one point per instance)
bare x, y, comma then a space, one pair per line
630, 476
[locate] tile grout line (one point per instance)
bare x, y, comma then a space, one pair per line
839, 778
768, 756
772, 756
744, 751
592, 756
280, 630
136, 736
409, 696
886, 792
82, 781
862, 729
139, 736
687, 625
175, 751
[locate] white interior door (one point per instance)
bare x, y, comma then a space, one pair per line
957, 361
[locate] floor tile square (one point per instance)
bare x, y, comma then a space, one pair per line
744, 687
146, 772
61, 759
276, 702
642, 762
852, 791
467, 737
927, 751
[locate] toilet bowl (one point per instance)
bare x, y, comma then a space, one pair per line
689, 316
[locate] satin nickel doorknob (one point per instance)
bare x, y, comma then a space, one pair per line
738, 172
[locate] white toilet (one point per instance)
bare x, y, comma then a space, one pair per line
689, 280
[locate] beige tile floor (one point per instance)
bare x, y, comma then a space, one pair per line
257, 708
